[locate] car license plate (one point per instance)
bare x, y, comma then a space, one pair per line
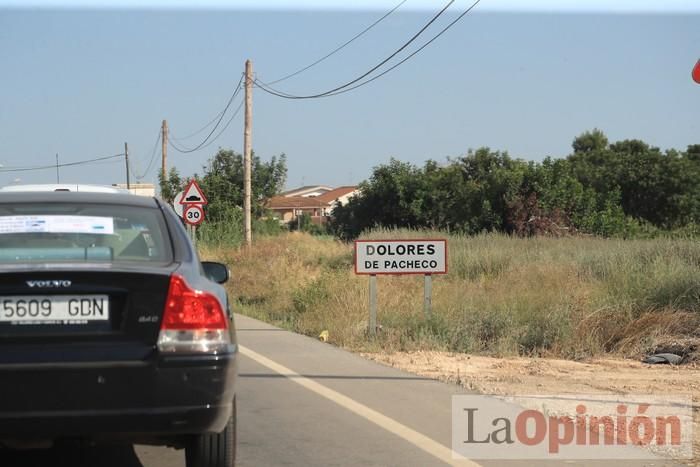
54, 309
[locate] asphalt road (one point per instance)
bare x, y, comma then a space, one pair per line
305, 403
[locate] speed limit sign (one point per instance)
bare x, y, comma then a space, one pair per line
193, 214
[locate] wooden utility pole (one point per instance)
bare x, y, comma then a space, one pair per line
58, 177
126, 159
247, 149
164, 149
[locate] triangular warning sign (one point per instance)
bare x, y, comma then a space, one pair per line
696, 72
193, 194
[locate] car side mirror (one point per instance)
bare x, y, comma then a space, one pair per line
217, 272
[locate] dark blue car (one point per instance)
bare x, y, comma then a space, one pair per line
111, 328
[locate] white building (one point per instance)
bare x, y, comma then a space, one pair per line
141, 189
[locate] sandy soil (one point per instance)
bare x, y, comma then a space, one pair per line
490, 375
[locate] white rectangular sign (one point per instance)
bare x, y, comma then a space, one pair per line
56, 224
401, 257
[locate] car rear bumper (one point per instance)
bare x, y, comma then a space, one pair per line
101, 424
168, 396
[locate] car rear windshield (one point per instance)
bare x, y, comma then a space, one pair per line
48, 233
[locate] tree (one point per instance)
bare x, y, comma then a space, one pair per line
171, 185
693, 152
649, 185
469, 194
611, 189
490, 179
222, 182
589, 141
389, 198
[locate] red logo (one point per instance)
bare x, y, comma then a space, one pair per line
696, 72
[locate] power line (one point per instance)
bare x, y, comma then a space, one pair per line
278, 93
66, 164
408, 57
106, 162
210, 123
221, 117
150, 162
339, 48
207, 125
225, 127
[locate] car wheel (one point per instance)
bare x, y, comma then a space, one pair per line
214, 449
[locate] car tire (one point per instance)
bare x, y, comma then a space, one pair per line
214, 449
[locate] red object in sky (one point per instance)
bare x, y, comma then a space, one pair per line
696, 72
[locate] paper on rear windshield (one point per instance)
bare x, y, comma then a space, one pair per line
56, 224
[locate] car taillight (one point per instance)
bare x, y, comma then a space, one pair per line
193, 320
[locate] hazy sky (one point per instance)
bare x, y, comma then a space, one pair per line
491, 5
80, 82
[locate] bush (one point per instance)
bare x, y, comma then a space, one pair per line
304, 223
227, 228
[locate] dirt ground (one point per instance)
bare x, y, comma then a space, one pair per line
489, 375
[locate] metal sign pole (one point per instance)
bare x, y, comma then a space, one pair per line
372, 305
190, 233
427, 295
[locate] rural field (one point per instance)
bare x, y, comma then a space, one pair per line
572, 298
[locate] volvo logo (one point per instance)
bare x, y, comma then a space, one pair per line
49, 284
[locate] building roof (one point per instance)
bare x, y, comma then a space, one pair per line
134, 185
305, 189
332, 195
291, 202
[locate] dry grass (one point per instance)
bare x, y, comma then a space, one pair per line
567, 297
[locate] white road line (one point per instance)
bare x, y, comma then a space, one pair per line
419, 440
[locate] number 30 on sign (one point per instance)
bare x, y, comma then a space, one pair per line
194, 214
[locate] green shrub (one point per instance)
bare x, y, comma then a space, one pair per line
312, 294
227, 228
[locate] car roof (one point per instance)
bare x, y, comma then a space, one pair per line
19, 197
63, 187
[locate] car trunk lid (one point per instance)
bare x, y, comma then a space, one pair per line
81, 313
